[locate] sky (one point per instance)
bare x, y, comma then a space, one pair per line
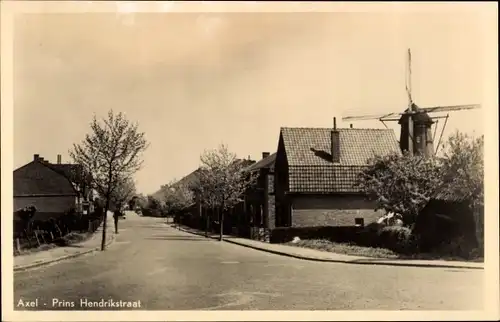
195, 80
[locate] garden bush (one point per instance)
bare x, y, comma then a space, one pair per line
458, 247
369, 235
398, 239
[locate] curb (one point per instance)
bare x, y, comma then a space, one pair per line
355, 262
62, 258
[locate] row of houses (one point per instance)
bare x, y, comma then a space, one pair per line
309, 181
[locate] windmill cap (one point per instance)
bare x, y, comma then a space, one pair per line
420, 117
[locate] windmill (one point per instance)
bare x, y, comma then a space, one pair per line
416, 124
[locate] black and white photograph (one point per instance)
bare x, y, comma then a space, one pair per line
244, 158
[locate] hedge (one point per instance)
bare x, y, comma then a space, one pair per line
398, 239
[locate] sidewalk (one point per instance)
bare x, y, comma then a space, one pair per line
322, 256
41, 258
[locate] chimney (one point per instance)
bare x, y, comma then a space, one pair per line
40, 159
58, 159
265, 154
335, 142
36, 157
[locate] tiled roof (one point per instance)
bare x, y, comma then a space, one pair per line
312, 146
67, 169
189, 180
267, 162
37, 178
323, 179
448, 194
311, 169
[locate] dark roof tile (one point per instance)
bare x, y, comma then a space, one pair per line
37, 178
312, 146
267, 162
311, 169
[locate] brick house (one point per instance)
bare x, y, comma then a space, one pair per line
52, 188
315, 173
258, 205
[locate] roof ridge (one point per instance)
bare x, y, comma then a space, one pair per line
331, 128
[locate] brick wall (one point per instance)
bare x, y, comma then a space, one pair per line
317, 210
271, 208
46, 204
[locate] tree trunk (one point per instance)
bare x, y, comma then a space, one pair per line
221, 215
59, 230
103, 242
37, 240
207, 222
116, 223
18, 246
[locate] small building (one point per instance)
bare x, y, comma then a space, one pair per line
316, 171
53, 189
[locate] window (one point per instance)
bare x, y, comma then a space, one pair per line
359, 222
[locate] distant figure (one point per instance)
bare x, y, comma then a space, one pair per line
116, 216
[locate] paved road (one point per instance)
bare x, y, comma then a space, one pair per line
171, 270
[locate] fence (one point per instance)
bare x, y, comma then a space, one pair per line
36, 233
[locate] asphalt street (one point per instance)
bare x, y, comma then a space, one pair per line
166, 269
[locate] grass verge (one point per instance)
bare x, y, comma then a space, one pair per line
355, 250
344, 248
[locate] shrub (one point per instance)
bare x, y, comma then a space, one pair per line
369, 235
458, 247
398, 239
71, 238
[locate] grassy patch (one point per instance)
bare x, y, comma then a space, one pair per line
443, 257
73, 238
346, 249
355, 250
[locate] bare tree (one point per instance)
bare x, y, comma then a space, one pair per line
223, 180
110, 152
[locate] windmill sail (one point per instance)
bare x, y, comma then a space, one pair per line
370, 116
436, 109
408, 79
